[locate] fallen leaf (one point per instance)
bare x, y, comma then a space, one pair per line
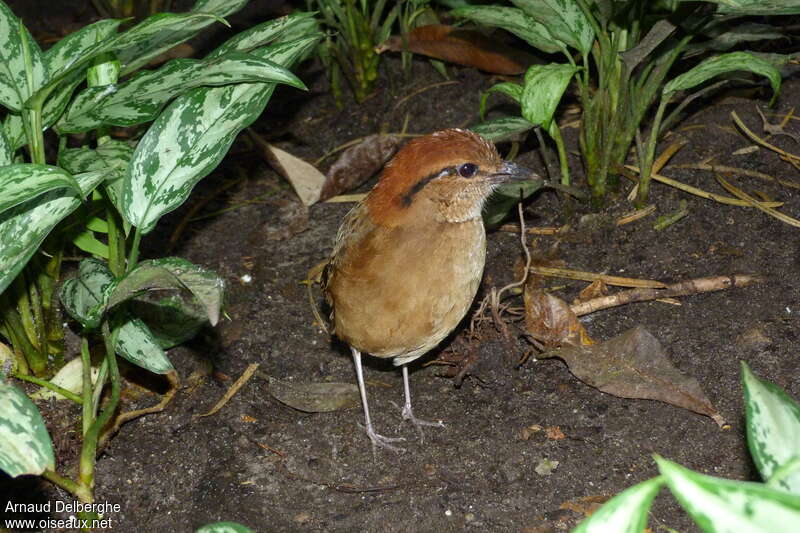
595, 290
550, 320
70, 377
359, 163
585, 505
545, 467
463, 47
634, 365
554, 433
315, 397
304, 177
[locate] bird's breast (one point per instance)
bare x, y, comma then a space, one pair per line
397, 292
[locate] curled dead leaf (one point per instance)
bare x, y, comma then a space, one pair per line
550, 320
315, 397
463, 47
304, 177
358, 163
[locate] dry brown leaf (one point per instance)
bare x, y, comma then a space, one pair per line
463, 47
585, 505
304, 177
315, 397
358, 163
634, 365
550, 320
554, 433
595, 290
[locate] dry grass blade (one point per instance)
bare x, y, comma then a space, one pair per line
736, 170
636, 215
700, 192
421, 90
759, 205
666, 155
346, 198
761, 141
514, 228
246, 375
592, 276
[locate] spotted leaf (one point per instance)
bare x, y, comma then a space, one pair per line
22, 68
25, 181
25, 446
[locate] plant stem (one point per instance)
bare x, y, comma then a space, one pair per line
133, 257
32, 116
555, 133
116, 244
86, 391
46, 384
90, 438
649, 156
67, 484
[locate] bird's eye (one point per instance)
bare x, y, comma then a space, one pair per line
467, 170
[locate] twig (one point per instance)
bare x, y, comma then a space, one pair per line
248, 372
513, 228
346, 198
759, 205
422, 90
174, 383
683, 288
761, 141
592, 276
636, 215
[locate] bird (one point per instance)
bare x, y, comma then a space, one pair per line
408, 259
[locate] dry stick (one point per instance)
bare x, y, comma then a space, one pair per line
513, 228
496, 295
346, 198
174, 383
636, 215
759, 205
761, 141
683, 288
699, 192
736, 170
248, 372
568, 273
422, 90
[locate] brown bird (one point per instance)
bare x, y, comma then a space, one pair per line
408, 259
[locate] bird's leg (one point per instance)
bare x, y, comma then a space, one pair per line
377, 440
408, 414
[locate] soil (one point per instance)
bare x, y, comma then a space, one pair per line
268, 466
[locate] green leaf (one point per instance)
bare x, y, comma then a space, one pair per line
6, 151
758, 7
68, 50
721, 505
735, 35
220, 8
189, 139
624, 513
720, 64
140, 99
773, 429
24, 227
172, 320
224, 527
500, 129
542, 91
85, 296
564, 19
137, 344
25, 181
515, 21
173, 273
18, 51
510, 89
25, 446
86, 241
260, 34
505, 198
112, 157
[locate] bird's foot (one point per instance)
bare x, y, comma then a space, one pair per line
383, 442
408, 415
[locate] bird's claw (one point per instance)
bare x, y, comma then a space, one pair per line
383, 442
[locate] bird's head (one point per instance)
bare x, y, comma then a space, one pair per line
445, 176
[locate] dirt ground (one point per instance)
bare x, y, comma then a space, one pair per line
268, 466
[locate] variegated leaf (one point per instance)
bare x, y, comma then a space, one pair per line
722, 505
23, 228
6, 152
564, 19
624, 513
224, 527
147, 31
190, 137
204, 13
173, 273
721, 64
138, 345
25, 181
773, 430
172, 320
25, 446
758, 7
68, 50
18, 52
503, 128
514, 20
140, 99
544, 86
259, 35
84, 297
510, 89
112, 156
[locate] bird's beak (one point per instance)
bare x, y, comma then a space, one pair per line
512, 172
